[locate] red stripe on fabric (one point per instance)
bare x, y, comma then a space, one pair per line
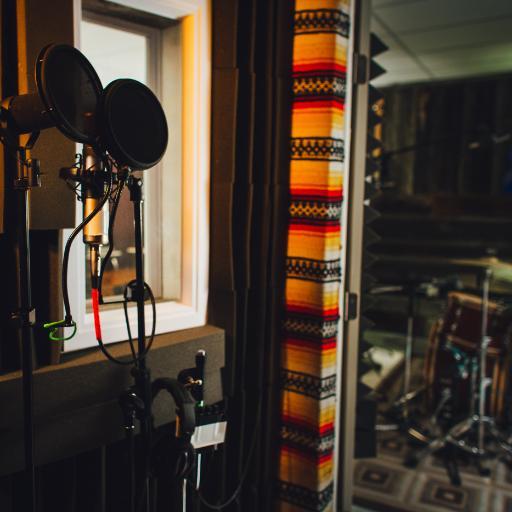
316, 195
316, 198
325, 457
319, 67
326, 428
306, 221
319, 225
315, 99
306, 105
320, 343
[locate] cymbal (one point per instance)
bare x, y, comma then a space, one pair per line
491, 262
501, 270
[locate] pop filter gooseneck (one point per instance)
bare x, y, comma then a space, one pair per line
68, 93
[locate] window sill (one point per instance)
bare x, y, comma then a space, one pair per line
76, 401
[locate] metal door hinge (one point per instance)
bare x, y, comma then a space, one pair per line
360, 73
351, 300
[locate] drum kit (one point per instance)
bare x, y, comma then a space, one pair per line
468, 387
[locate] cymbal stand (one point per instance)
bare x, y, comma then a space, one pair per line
477, 423
400, 408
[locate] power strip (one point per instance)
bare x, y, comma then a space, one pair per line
211, 426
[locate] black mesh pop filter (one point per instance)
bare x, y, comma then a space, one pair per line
133, 124
70, 90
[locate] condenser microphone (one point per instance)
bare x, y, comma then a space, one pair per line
94, 188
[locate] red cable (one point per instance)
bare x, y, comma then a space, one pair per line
95, 296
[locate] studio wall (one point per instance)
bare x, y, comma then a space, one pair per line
251, 112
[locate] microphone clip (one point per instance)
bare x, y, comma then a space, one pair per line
29, 174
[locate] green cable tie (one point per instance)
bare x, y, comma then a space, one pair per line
54, 326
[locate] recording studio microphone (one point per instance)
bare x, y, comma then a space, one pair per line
94, 185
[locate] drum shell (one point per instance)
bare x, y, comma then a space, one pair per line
463, 322
459, 331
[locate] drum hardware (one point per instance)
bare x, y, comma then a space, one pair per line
478, 424
408, 397
399, 412
445, 396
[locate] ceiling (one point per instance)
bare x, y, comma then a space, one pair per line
442, 39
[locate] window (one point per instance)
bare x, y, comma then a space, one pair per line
118, 49
174, 62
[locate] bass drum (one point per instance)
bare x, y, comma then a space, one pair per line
453, 343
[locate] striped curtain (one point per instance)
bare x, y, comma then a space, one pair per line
313, 255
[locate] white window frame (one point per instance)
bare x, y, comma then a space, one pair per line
190, 310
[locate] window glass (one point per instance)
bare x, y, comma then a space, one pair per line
115, 53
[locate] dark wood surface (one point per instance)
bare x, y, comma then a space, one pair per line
76, 401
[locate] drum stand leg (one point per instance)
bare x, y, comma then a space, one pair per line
400, 407
484, 427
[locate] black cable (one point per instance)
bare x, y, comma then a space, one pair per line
135, 359
65, 261
111, 223
245, 471
138, 358
127, 320
153, 308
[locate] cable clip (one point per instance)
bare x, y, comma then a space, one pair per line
55, 326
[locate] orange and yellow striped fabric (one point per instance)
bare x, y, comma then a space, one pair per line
313, 256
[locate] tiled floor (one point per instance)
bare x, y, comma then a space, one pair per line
387, 483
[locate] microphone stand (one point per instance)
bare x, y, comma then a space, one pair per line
141, 372
27, 176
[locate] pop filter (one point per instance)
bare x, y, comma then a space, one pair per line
133, 124
69, 90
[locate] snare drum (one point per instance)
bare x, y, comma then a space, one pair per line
454, 342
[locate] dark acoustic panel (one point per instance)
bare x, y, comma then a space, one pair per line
76, 402
225, 14
52, 205
2, 185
